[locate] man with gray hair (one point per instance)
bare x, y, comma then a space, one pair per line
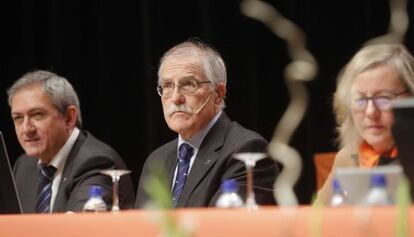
192, 86
61, 161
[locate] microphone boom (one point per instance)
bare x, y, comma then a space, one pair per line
198, 110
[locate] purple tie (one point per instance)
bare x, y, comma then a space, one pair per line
185, 152
44, 192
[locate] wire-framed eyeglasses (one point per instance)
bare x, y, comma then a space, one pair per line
185, 87
382, 101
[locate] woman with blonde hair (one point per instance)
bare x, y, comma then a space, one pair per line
366, 88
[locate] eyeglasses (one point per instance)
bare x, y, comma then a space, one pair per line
381, 101
185, 86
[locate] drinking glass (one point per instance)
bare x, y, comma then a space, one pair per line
115, 175
250, 159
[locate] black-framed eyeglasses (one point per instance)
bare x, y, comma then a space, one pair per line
382, 101
185, 87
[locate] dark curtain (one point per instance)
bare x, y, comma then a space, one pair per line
110, 50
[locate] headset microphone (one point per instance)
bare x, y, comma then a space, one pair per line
208, 98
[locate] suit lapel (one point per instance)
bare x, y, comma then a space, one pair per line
31, 190
26, 175
171, 162
61, 198
206, 157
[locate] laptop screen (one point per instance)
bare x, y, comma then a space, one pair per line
403, 132
9, 199
355, 182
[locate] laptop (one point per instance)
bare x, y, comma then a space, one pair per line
9, 198
403, 131
356, 182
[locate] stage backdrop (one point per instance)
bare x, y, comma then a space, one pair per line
110, 51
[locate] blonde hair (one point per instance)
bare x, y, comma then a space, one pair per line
394, 55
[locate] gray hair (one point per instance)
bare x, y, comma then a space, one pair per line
59, 90
394, 55
213, 65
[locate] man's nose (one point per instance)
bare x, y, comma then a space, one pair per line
28, 125
176, 96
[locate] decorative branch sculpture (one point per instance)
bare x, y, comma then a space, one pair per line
302, 68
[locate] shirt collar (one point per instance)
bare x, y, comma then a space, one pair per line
369, 158
196, 140
62, 154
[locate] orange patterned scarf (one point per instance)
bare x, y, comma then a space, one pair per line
369, 158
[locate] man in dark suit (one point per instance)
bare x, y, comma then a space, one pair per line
61, 160
192, 85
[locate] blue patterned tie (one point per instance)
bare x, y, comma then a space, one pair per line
44, 192
185, 152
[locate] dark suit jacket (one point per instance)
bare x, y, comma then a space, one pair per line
84, 162
214, 164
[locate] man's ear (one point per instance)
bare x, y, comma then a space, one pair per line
221, 93
71, 116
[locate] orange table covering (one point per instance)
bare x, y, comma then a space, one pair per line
267, 221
